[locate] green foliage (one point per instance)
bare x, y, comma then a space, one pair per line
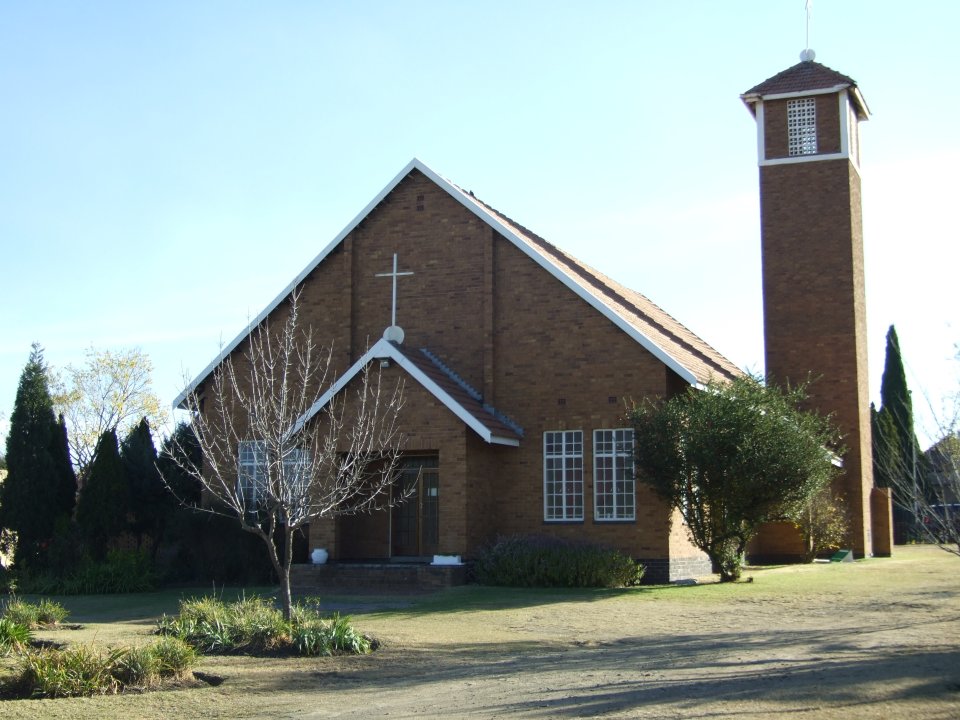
102, 507
14, 636
181, 450
254, 626
898, 462
174, 656
326, 637
203, 548
43, 614
80, 670
149, 501
39, 487
731, 457
122, 571
541, 561
84, 670
136, 667
823, 525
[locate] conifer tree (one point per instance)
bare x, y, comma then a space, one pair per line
35, 494
897, 456
148, 498
103, 503
896, 400
65, 489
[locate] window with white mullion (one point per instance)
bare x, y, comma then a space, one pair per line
802, 126
614, 485
563, 475
252, 472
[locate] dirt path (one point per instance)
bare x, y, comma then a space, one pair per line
879, 639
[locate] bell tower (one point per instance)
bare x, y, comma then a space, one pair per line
814, 305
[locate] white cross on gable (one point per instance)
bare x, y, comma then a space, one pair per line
395, 274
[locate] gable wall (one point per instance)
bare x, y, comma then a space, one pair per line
560, 365
513, 332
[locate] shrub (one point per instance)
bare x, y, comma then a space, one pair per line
45, 613
123, 571
254, 626
75, 671
84, 670
136, 667
173, 656
538, 561
13, 636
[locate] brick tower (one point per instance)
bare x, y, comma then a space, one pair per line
814, 303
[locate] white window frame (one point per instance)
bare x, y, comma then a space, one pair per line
563, 476
613, 463
251, 472
802, 126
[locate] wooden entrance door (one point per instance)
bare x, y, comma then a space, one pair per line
416, 521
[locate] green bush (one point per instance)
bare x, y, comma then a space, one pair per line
45, 613
255, 626
77, 671
14, 636
136, 667
123, 571
539, 561
173, 656
84, 670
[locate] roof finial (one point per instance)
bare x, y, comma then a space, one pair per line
807, 55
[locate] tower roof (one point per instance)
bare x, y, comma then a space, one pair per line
806, 77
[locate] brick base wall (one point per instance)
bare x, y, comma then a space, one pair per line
660, 571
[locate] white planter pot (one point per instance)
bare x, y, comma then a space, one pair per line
319, 556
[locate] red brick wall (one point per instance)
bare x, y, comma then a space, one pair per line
815, 308
775, 126
535, 350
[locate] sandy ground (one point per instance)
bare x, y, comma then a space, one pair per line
878, 639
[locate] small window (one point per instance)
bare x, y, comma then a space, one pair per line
252, 472
253, 476
614, 496
563, 475
802, 126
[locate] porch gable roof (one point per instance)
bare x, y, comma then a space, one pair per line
440, 382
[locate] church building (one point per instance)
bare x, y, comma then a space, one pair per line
518, 359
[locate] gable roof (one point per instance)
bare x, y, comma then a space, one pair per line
664, 337
439, 381
806, 77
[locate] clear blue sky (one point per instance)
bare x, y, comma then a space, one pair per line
167, 168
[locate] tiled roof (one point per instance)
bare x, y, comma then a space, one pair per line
441, 382
803, 76
461, 393
636, 309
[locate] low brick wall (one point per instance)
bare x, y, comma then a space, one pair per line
374, 578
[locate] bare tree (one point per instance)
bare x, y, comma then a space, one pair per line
928, 489
281, 446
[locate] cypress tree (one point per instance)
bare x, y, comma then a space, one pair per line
896, 451
35, 494
103, 504
896, 400
65, 490
147, 495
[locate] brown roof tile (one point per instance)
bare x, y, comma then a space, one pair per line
803, 76
636, 309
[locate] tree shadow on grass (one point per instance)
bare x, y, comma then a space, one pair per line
796, 670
